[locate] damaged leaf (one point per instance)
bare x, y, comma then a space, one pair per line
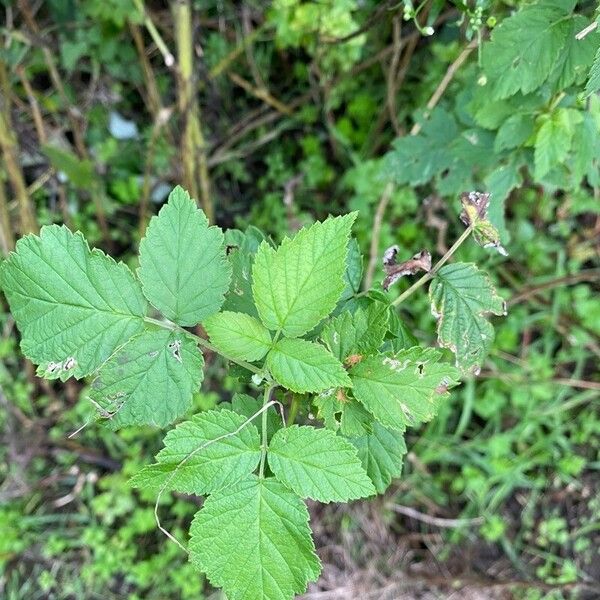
461, 296
394, 271
474, 214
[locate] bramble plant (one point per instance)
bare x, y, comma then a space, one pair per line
294, 322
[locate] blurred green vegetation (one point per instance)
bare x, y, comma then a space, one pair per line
291, 110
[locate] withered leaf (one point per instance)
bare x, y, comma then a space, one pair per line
475, 213
419, 262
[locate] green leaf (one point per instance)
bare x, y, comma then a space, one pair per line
74, 306
238, 335
300, 283
242, 247
381, 455
461, 296
354, 270
416, 159
577, 55
354, 419
253, 540
403, 389
219, 448
79, 172
593, 83
183, 267
361, 332
525, 48
303, 366
248, 406
318, 464
554, 139
514, 132
149, 380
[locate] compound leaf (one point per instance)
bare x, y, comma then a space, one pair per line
213, 449
149, 380
253, 540
300, 283
381, 455
403, 389
461, 296
74, 306
238, 335
303, 366
183, 267
318, 464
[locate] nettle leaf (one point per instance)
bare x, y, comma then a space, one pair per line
303, 366
525, 48
361, 332
300, 283
149, 380
183, 267
218, 446
238, 335
74, 306
461, 295
318, 464
381, 455
253, 540
554, 139
403, 389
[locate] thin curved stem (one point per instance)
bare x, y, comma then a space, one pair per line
431, 274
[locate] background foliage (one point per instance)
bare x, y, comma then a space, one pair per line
274, 114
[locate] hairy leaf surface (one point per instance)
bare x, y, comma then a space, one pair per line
183, 267
403, 389
74, 306
218, 447
461, 295
300, 283
303, 366
150, 380
318, 464
238, 335
253, 540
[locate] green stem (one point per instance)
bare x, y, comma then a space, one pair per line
431, 274
204, 343
293, 410
265, 439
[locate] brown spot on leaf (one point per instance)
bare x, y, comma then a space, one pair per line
353, 359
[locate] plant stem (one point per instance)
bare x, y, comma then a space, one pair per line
431, 274
265, 440
293, 410
202, 342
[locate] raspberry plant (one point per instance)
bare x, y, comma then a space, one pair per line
293, 321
